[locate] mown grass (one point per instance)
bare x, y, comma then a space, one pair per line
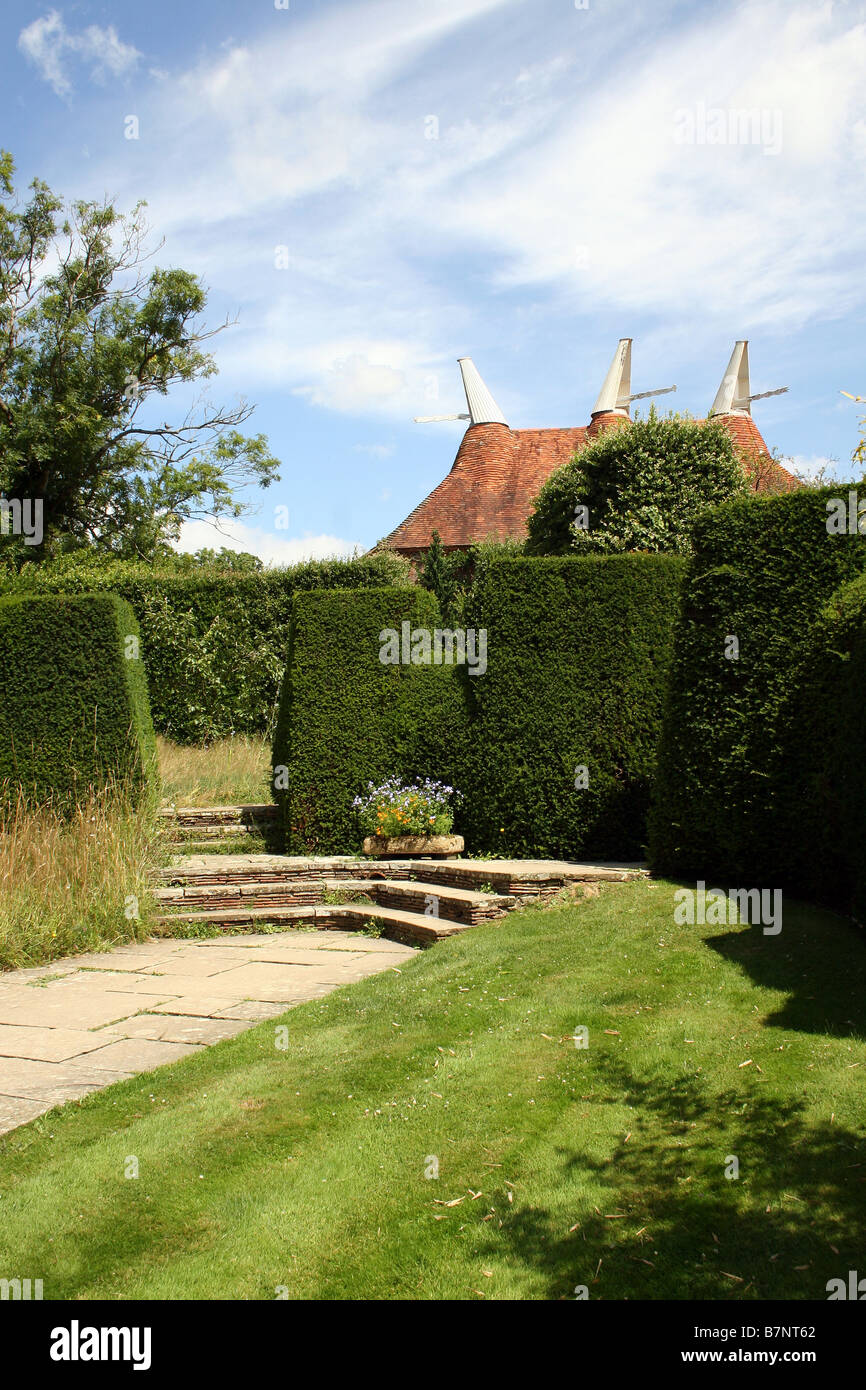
305, 1169
70, 884
229, 772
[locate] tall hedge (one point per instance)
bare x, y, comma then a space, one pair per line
578, 653
346, 719
74, 711
214, 641
730, 798
822, 791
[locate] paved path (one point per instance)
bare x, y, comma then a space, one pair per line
86, 1021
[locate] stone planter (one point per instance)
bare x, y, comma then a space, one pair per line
409, 846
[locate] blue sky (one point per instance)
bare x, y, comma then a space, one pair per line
520, 181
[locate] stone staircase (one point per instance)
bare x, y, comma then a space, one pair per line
217, 828
418, 901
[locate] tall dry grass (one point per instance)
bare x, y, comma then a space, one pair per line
231, 771
70, 884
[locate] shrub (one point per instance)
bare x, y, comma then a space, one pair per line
731, 799
347, 719
644, 486
214, 640
74, 714
578, 652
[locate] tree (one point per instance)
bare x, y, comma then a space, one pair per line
89, 342
859, 454
440, 573
238, 561
636, 488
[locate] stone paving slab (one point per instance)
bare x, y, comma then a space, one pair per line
85, 1022
82, 1010
139, 1054
201, 1005
46, 1044
15, 1111
41, 972
175, 1028
255, 943
301, 955
255, 1012
272, 981
28, 1080
131, 957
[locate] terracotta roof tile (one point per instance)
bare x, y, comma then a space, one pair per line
489, 491
499, 471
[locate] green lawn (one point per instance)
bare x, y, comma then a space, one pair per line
558, 1166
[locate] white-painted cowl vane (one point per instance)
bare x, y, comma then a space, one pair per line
483, 409
614, 396
734, 395
616, 393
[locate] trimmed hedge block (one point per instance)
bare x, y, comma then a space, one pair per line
577, 652
346, 718
822, 785
578, 655
214, 643
741, 750
74, 711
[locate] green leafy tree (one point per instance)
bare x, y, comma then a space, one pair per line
90, 340
638, 488
235, 561
859, 454
440, 572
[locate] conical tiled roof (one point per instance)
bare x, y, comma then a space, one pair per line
489, 492
498, 471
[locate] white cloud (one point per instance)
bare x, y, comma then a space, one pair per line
557, 175
48, 44
273, 549
813, 466
376, 451
355, 384
667, 225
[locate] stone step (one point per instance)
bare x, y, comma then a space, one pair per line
200, 816
512, 877
466, 906
227, 829
182, 833
241, 842
411, 927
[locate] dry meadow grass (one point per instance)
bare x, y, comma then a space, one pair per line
72, 884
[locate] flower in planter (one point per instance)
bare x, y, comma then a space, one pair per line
422, 807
